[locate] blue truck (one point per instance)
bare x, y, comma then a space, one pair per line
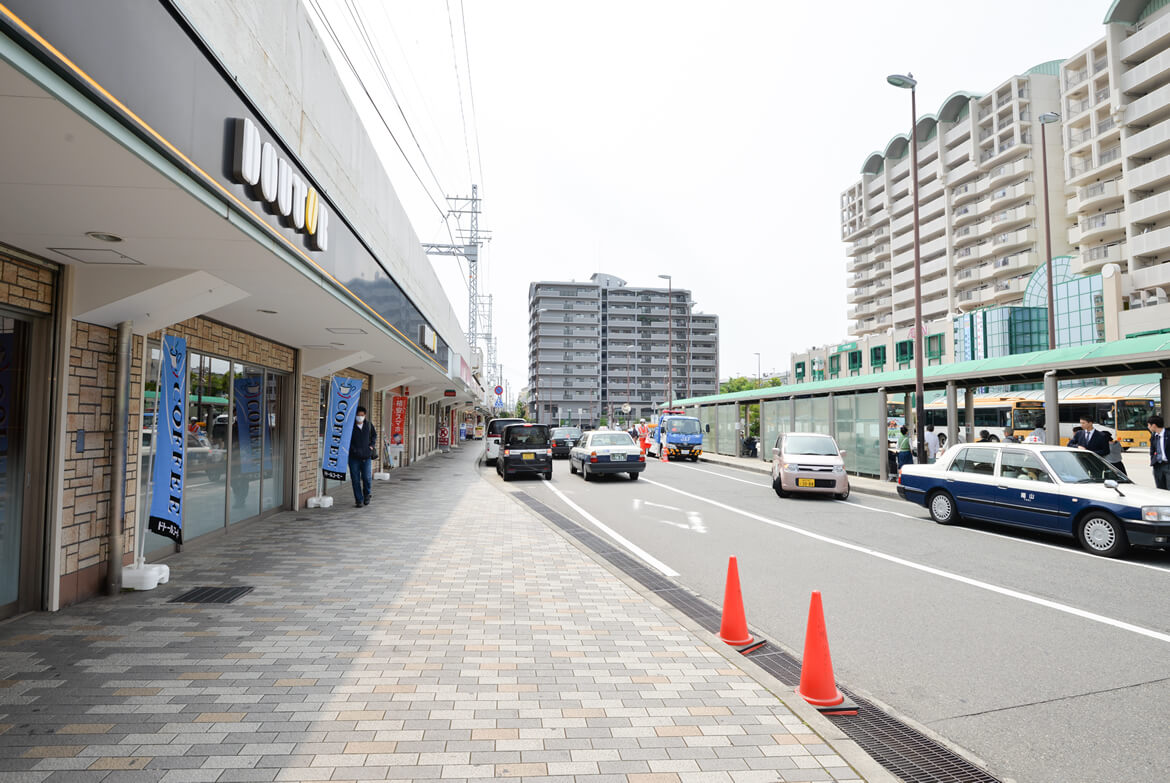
681, 436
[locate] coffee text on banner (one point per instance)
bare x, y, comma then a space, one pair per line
343, 401
249, 421
170, 442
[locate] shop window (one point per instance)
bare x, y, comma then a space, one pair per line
904, 353
934, 348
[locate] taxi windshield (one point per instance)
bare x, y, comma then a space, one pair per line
1082, 467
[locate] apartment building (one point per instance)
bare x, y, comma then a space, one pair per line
597, 346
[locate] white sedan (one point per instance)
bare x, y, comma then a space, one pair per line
600, 452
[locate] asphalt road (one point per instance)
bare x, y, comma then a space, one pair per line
1047, 663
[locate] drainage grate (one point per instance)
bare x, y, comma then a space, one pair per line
902, 749
211, 595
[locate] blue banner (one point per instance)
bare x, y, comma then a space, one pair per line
170, 442
343, 401
249, 421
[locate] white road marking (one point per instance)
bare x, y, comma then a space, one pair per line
729, 478
661, 505
1004, 591
635, 550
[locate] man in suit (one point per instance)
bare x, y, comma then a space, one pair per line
1091, 439
1159, 451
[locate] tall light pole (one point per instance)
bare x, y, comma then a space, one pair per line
669, 340
759, 376
1047, 118
908, 82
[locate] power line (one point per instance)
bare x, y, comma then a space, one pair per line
471, 93
459, 85
361, 82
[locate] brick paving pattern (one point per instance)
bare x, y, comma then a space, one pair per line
442, 633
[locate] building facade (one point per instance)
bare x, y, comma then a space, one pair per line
191, 170
595, 347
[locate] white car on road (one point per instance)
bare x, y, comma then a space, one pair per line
600, 452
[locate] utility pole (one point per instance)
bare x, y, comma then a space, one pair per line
472, 240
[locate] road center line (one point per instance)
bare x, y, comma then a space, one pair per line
634, 549
1004, 591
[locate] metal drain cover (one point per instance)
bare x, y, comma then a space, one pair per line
211, 595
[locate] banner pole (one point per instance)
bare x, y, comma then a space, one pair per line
142, 513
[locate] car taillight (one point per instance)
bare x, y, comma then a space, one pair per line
641, 458
593, 457
507, 452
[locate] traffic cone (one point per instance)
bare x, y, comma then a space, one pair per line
817, 685
662, 453
733, 628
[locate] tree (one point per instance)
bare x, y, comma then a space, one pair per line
745, 382
521, 413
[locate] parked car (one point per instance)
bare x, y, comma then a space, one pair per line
491, 440
524, 448
200, 456
564, 439
609, 451
809, 462
1070, 492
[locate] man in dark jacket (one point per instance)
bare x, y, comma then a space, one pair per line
363, 446
1091, 439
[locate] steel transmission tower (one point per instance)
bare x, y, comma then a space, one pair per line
472, 240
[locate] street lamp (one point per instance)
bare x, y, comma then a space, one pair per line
908, 82
1047, 118
669, 341
759, 377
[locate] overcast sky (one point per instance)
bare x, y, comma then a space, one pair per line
709, 141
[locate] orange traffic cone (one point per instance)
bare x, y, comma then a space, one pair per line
662, 455
817, 685
733, 628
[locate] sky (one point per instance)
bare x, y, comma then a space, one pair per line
708, 141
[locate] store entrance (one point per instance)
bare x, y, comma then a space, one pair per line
23, 445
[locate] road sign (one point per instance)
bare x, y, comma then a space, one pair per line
626, 407
499, 390
498, 404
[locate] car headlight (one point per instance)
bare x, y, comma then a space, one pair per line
838, 469
1156, 513
790, 467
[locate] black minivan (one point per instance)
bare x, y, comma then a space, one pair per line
525, 448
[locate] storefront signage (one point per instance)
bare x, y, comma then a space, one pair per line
274, 181
170, 442
343, 401
398, 420
846, 347
449, 392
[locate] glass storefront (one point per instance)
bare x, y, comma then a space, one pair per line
235, 446
14, 337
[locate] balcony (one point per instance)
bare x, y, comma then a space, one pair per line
1008, 171
1152, 242
1153, 37
1007, 218
1091, 261
1008, 290
1096, 193
1097, 227
1009, 240
965, 256
1148, 108
1013, 266
1149, 175
1073, 78
963, 214
1150, 209
1078, 136
1078, 107
1011, 193
1150, 142
1108, 155
881, 251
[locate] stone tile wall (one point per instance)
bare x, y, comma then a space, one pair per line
309, 428
209, 336
26, 286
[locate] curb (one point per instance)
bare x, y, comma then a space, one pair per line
860, 761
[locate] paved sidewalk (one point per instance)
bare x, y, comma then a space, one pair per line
444, 632
869, 486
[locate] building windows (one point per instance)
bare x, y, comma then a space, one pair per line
855, 362
934, 349
834, 365
877, 358
799, 372
904, 353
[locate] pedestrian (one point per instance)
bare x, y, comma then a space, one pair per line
1038, 435
1114, 458
942, 444
1009, 435
984, 437
905, 457
363, 447
933, 444
1091, 439
1159, 451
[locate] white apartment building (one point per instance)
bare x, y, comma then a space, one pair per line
598, 345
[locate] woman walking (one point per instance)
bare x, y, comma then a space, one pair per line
1114, 458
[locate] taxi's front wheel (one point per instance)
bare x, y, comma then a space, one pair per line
1101, 533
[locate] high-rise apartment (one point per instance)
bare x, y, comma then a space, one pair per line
597, 346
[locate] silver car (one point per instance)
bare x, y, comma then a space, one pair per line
809, 462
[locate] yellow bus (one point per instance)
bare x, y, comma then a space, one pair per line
1122, 409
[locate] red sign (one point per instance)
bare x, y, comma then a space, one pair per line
444, 435
449, 392
398, 420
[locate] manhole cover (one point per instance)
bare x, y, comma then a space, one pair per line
211, 595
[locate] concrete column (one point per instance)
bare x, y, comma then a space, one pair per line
952, 413
969, 413
1051, 410
883, 444
117, 503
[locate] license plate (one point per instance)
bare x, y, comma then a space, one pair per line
527, 456
806, 482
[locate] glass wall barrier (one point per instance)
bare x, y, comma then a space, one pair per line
728, 416
822, 413
845, 421
869, 434
775, 415
707, 419
804, 415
